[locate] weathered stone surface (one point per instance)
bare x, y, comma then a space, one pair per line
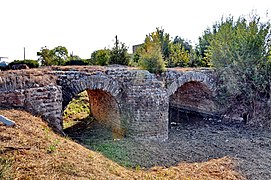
132, 102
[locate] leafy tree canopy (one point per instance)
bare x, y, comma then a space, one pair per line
119, 53
56, 56
100, 57
174, 53
240, 52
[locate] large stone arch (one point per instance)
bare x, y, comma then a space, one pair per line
104, 100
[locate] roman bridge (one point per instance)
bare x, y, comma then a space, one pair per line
132, 102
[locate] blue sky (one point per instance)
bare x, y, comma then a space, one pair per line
87, 25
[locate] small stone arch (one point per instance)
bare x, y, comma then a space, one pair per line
191, 76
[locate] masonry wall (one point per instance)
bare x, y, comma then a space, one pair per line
43, 101
35, 91
144, 106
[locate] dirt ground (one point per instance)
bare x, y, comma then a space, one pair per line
197, 142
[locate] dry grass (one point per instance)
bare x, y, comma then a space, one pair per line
33, 151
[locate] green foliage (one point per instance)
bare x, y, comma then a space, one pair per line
56, 56
158, 39
114, 151
45, 56
174, 53
152, 60
28, 62
239, 51
60, 55
52, 148
77, 109
201, 50
100, 57
119, 54
178, 56
74, 57
79, 62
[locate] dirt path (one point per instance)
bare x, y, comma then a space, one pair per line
191, 143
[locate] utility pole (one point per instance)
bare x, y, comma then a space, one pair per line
24, 53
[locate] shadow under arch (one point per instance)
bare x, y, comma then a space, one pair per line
192, 101
103, 99
105, 110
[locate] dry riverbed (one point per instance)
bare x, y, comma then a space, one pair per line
197, 142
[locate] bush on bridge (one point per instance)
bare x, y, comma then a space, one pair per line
152, 60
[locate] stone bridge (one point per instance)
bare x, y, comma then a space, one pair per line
132, 102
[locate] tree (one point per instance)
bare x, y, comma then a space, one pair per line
186, 45
239, 51
45, 56
60, 54
201, 49
119, 53
152, 60
74, 57
160, 39
75, 60
178, 56
56, 56
176, 53
100, 57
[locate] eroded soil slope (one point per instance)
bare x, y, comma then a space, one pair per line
30, 150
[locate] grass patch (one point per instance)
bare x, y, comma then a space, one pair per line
114, 151
77, 109
52, 147
5, 168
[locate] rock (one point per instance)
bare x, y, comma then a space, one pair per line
7, 121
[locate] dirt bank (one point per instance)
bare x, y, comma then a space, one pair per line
198, 142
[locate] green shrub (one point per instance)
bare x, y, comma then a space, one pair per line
30, 63
79, 62
239, 52
100, 57
152, 60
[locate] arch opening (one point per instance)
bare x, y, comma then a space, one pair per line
191, 103
92, 107
105, 110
